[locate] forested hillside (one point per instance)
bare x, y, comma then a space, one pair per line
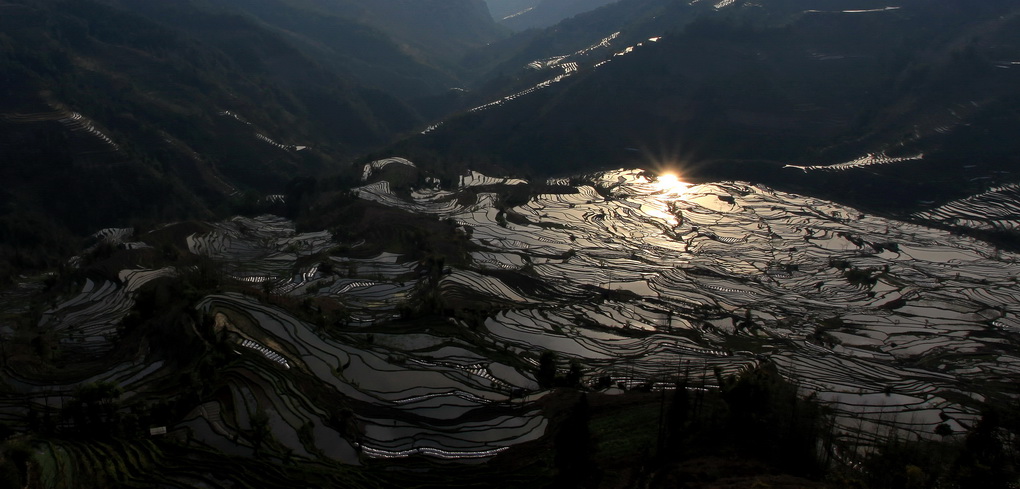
530, 14
112, 115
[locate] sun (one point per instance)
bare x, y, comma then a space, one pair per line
668, 180
669, 183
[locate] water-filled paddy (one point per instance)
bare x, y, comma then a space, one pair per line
896, 325
818, 281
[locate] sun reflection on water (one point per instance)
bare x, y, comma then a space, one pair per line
670, 184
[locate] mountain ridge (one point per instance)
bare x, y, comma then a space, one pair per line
148, 120
738, 93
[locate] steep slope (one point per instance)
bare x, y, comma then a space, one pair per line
430, 35
407, 48
542, 13
739, 91
144, 120
346, 46
503, 8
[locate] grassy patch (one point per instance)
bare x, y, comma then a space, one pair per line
624, 432
624, 429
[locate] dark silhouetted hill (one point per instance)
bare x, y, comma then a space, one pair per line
160, 110
528, 14
741, 91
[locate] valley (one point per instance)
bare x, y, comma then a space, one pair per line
502, 243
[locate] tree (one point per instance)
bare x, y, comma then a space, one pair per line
676, 417
575, 448
983, 462
259, 430
766, 412
573, 378
93, 408
547, 369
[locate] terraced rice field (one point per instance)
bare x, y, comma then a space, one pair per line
88, 321
445, 400
997, 209
867, 160
260, 136
641, 280
895, 324
92, 143
565, 65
